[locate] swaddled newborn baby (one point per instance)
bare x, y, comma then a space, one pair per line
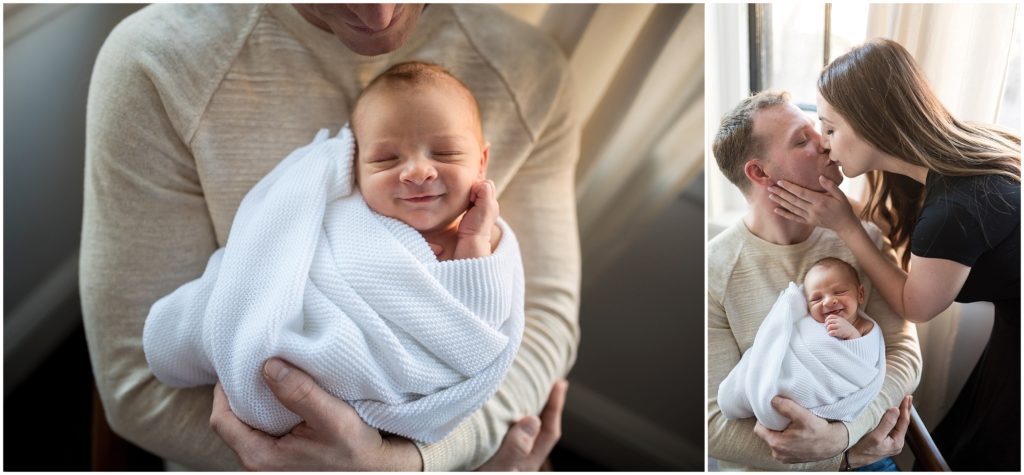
402, 296
815, 347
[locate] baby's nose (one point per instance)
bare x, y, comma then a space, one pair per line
418, 171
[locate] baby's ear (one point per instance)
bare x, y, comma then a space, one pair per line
484, 154
860, 294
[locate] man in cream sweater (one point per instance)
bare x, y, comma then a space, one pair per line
190, 105
765, 139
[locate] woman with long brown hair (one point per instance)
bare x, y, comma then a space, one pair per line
948, 193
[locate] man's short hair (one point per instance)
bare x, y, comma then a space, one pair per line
412, 74
829, 262
735, 142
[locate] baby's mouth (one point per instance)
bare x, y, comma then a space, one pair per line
422, 198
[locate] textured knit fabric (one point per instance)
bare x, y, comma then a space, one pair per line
358, 300
191, 105
793, 356
745, 274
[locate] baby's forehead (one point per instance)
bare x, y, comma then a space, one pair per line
455, 96
834, 270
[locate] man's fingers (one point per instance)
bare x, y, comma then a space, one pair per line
551, 421
551, 416
900, 430
241, 438
515, 448
764, 433
888, 423
298, 392
522, 437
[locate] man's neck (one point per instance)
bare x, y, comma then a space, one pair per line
764, 223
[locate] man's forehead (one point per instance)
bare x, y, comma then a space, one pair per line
780, 122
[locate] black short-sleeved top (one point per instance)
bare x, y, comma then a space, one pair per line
975, 221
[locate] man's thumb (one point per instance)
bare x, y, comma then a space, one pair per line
523, 435
889, 420
296, 390
788, 408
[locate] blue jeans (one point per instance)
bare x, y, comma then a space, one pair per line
885, 465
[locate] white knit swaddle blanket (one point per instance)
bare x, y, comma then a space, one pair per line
793, 356
358, 300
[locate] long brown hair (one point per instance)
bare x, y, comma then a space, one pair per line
882, 93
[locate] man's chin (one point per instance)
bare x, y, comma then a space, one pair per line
371, 46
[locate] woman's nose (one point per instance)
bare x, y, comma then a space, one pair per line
418, 170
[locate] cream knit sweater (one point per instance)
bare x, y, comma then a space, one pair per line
190, 105
745, 274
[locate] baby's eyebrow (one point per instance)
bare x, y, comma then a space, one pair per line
451, 137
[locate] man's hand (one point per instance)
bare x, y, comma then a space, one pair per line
477, 227
886, 440
808, 438
529, 442
839, 327
331, 436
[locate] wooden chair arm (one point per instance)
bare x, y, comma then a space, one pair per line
922, 445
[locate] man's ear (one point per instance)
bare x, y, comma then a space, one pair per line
483, 160
756, 174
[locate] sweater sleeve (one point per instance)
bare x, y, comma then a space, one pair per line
146, 230
902, 354
539, 204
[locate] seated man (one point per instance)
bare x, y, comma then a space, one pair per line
763, 140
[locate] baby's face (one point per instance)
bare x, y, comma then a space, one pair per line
831, 290
420, 152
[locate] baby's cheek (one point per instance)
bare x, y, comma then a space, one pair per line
816, 315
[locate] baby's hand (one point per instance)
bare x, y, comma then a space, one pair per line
840, 328
478, 224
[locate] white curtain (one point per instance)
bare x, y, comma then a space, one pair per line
964, 51
638, 74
